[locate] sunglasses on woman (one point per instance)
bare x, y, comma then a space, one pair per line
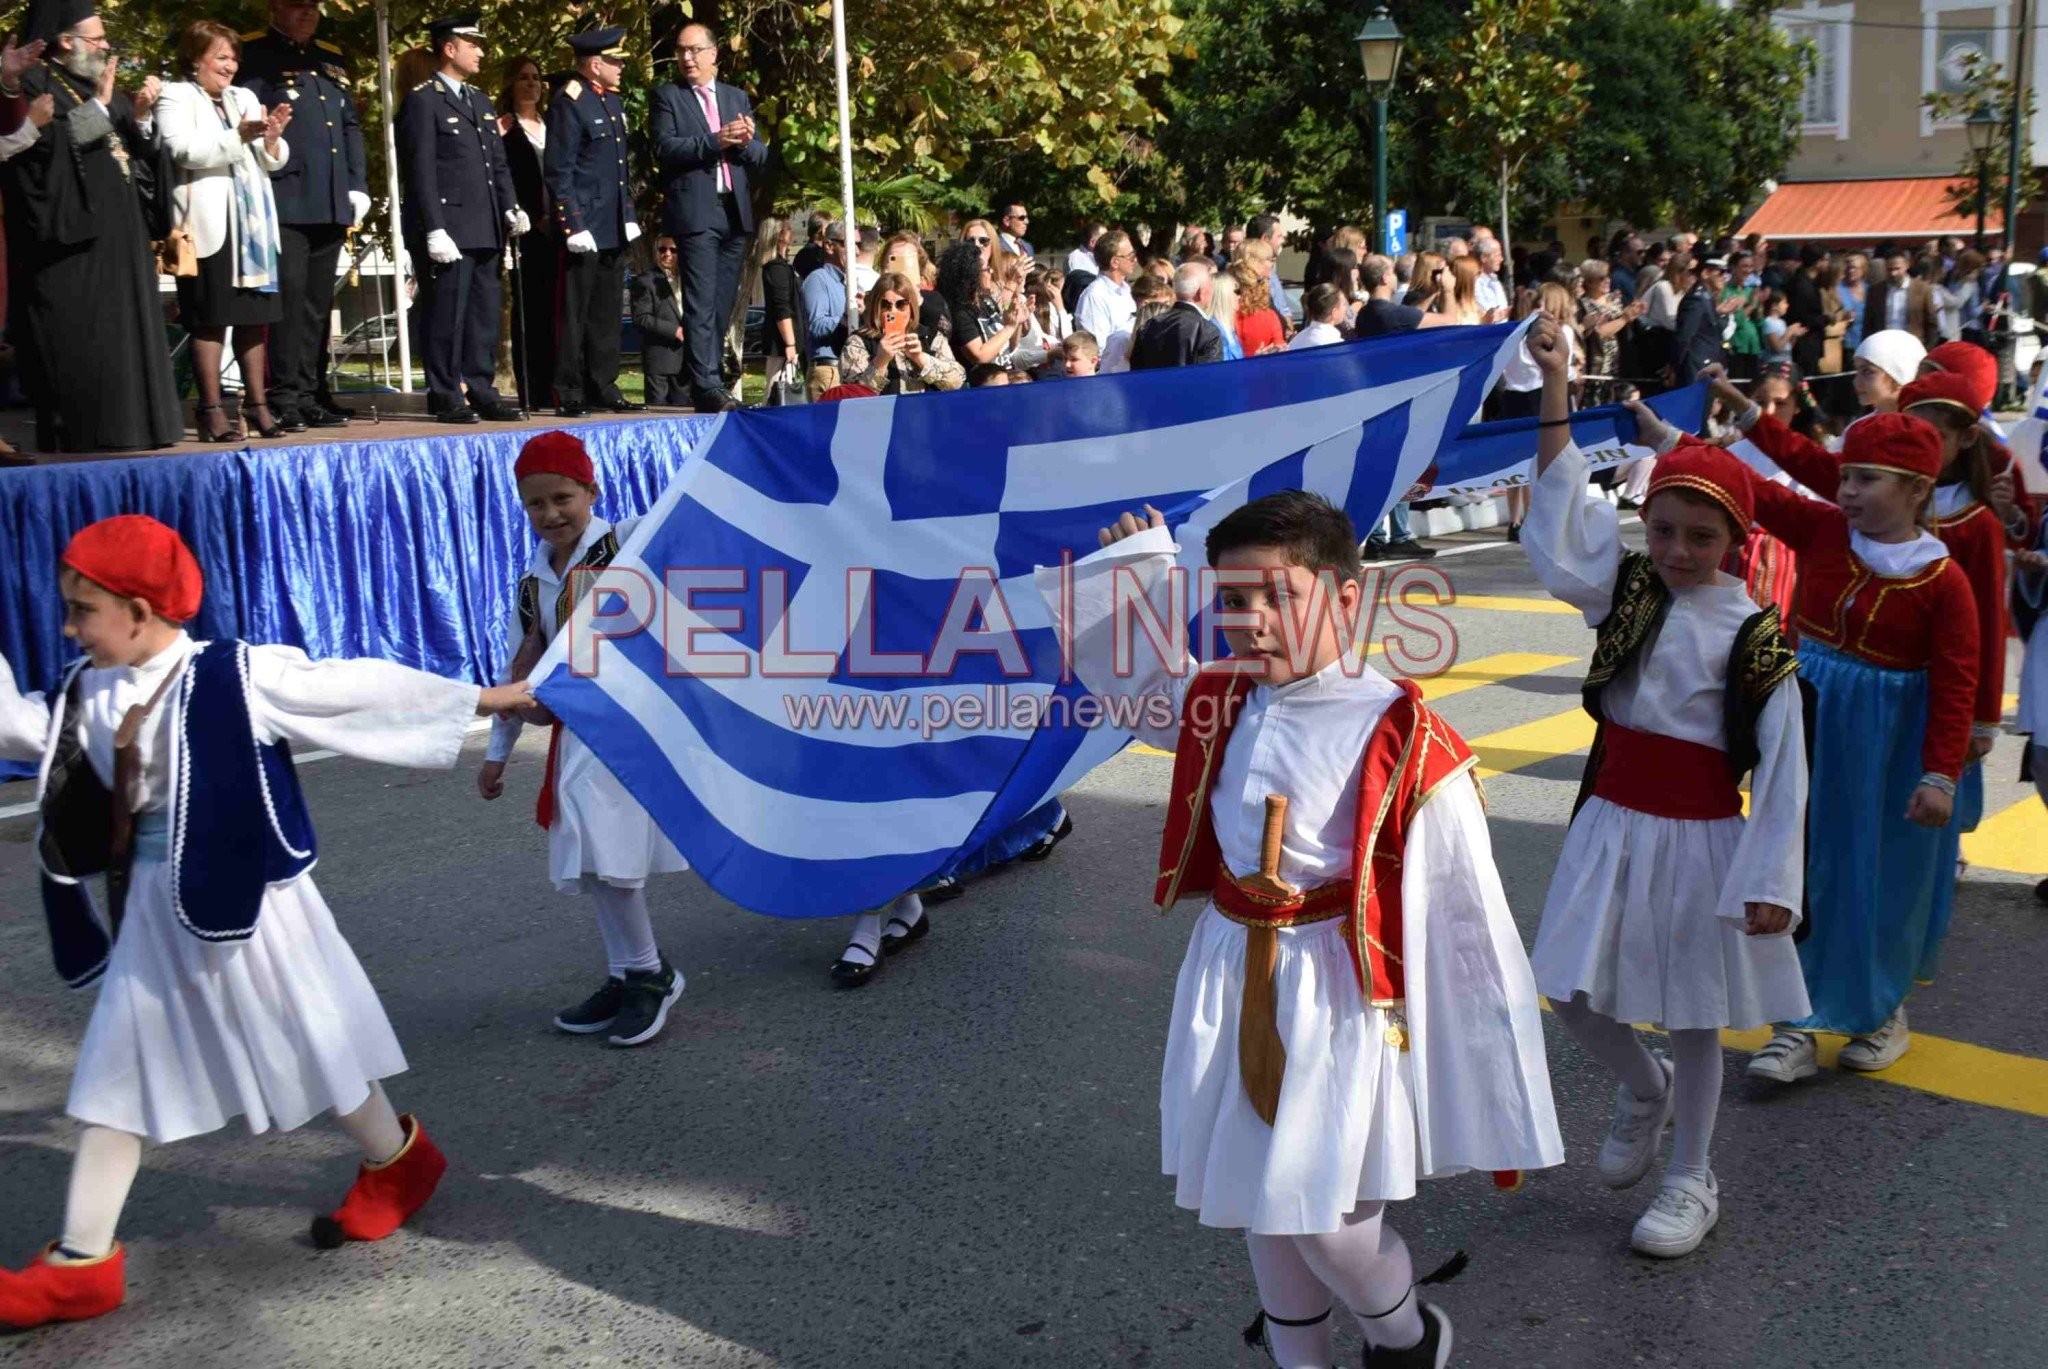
979, 242
894, 306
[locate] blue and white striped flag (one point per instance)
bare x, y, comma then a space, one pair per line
820, 661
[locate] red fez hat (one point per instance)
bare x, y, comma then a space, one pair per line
137, 557
1903, 443
838, 392
1972, 363
555, 453
1708, 470
1949, 389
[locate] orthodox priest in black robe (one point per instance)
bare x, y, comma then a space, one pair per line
86, 319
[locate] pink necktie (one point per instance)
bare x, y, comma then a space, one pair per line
709, 99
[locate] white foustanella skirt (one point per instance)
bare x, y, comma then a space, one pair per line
600, 831
188, 1034
1631, 922
1345, 1131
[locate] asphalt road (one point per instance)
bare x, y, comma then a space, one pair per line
958, 1165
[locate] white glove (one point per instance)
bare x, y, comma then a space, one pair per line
516, 220
632, 233
361, 203
581, 242
441, 248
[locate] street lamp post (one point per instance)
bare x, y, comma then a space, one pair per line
1379, 48
1983, 128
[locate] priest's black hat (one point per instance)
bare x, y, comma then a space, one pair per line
46, 19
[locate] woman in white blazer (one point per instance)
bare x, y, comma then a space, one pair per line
224, 146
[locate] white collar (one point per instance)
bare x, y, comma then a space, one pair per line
1950, 500
152, 671
1898, 560
541, 563
454, 83
1332, 681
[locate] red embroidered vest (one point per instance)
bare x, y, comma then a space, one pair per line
1411, 754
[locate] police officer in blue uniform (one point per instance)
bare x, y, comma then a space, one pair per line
321, 192
459, 212
586, 174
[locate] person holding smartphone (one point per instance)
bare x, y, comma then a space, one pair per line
890, 354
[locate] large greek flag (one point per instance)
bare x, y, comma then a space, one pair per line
810, 567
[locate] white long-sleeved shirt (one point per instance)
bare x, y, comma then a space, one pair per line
1676, 684
505, 728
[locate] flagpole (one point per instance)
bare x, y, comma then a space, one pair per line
397, 257
852, 235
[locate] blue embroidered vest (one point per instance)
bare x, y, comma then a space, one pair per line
238, 822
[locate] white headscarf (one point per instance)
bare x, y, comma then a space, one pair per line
1894, 351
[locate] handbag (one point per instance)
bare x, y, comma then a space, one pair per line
786, 388
177, 254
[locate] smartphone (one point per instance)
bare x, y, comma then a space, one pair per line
898, 322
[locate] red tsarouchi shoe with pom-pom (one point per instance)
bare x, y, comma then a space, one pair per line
385, 1195
68, 1290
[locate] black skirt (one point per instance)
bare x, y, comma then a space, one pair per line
210, 299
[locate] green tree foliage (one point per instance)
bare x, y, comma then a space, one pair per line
1986, 88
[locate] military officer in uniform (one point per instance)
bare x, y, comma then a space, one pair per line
586, 174
321, 192
459, 212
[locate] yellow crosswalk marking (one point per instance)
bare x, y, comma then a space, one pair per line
1514, 748
1512, 603
1951, 1069
1488, 670
2015, 839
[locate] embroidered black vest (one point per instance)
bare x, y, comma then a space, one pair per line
600, 555
1758, 662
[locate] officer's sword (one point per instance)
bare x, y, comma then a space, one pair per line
519, 321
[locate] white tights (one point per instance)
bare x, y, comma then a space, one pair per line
104, 1168
627, 931
1696, 1069
864, 947
1363, 1264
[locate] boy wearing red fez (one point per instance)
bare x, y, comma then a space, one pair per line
1890, 644
1667, 906
600, 840
225, 988
1355, 1012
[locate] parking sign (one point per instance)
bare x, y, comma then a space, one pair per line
1394, 241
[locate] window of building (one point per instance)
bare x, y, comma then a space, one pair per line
1824, 109
1954, 35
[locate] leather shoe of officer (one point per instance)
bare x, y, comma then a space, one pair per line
500, 412
465, 414
619, 404
716, 401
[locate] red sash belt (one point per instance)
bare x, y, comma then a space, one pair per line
1665, 777
544, 802
1242, 906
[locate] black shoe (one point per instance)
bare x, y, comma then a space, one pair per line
291, 420
1514, 532
2041, 891
1626, 504
1373, 551
316, 417
254, 425
465, 414
851, 974
326, 405
228, 433
594, 1013
944, 890
716, 402
571, 410
645, 1001
498, 411
894, 940
619, 404
1408, 549
1433, 1351
1040, 849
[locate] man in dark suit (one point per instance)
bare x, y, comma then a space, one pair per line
1902, 301
322, 191
586, 172
1184, 334
658, 314
1696, 341
459, 210
706, 148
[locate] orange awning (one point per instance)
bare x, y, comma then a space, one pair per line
1916, 207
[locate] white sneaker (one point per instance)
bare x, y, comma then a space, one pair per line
1684, 1211
1631, 1146
1785, 1059
1881, 1048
